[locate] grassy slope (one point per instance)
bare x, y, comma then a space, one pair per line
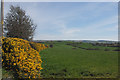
63, 61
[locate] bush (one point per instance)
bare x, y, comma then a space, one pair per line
18, 55
38, 46
51, 45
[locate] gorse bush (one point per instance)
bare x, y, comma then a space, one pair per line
18, 55
38, 46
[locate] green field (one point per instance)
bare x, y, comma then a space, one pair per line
68, 59
72, 60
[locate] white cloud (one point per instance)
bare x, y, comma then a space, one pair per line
70, 33
54, 20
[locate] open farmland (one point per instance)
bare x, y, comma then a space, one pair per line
67, 59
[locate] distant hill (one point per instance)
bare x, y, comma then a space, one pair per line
86, 41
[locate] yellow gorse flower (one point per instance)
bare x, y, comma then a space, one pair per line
38, 46
18, 52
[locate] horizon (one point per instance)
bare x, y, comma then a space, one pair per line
74, 40
72, 21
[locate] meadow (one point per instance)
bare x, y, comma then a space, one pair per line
67, 59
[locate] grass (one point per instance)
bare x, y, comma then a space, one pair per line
74, 61
66, 61
7, 73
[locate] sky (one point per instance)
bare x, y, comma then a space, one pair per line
72, 20
61, 0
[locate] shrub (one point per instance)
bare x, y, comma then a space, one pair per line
51, 45
18, 55
38, 46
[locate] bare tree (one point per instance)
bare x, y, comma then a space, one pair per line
18, 25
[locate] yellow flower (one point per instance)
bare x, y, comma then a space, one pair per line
14, 64
23, 55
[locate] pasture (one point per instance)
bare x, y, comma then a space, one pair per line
68, 59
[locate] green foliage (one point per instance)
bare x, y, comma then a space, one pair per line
18, 24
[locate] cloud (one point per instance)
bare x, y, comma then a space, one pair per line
94, 30
73, 20
66, 32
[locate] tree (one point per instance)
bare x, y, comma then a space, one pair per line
18, 25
